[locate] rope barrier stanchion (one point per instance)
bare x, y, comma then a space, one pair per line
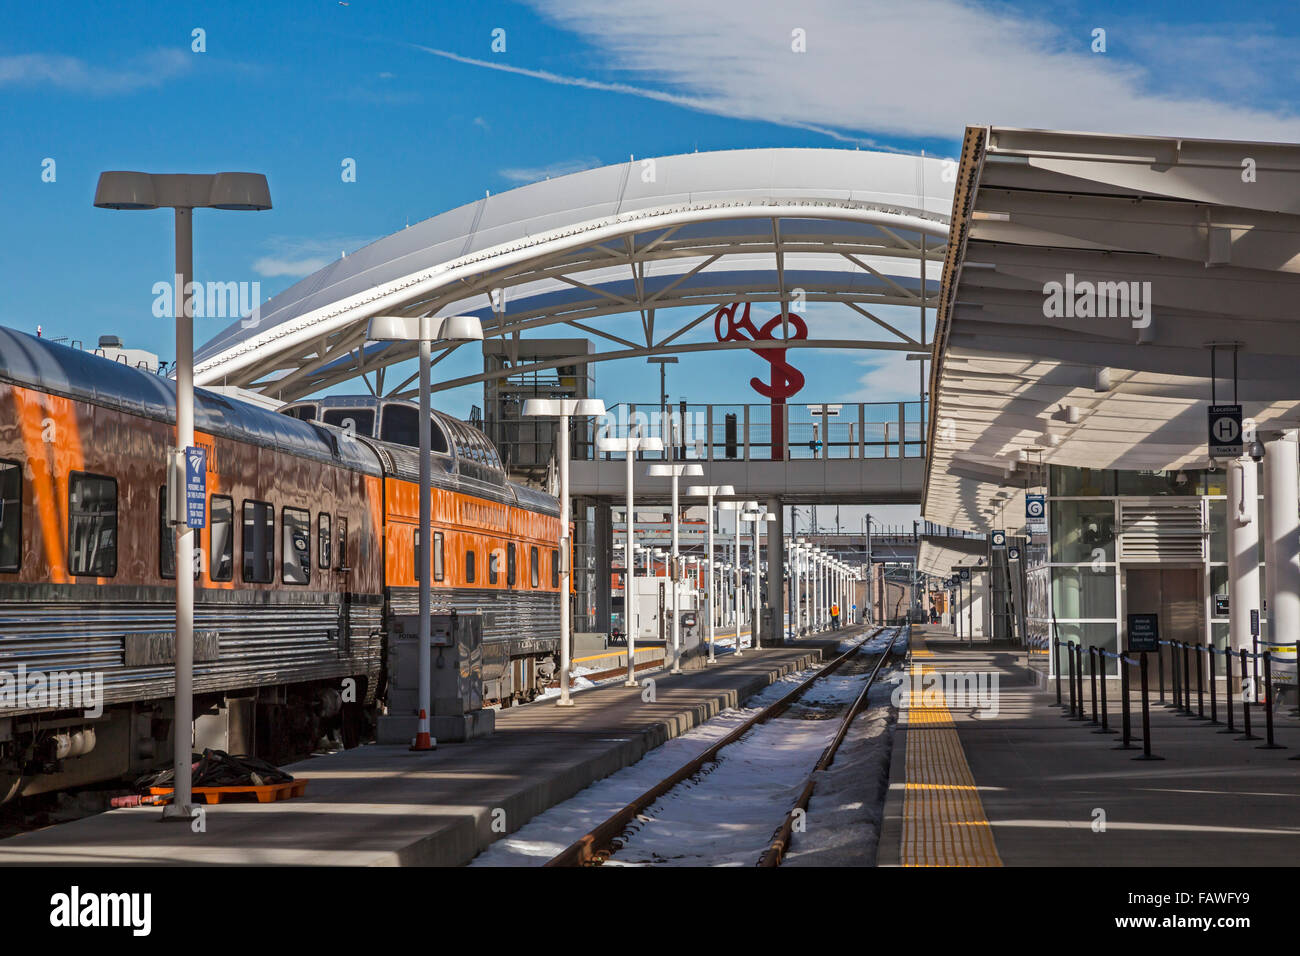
1105, 727
1069, 655
1175, 697
1187, 680
1146, 716
1081, 713
1126, 719
1200, 686
1227, 687
1210, 651
1270, 743
1296, 712
1160, 662
1092, 678
1056, 665
1245, 700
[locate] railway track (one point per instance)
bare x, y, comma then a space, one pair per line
600, 843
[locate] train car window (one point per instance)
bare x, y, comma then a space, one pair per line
324, 540
304, 412
343, 545
555, 568
295, 548
166, 539
511, 565
92, 525
494, 566
221, 522
401, 426
11, 515
469, 567
437, 556
362, 419
259, 542
536, 571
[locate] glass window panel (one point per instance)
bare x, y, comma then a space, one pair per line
92, 525
1103, 636
221, 519
361, 420
1081, 482
1083, 592
469, 567
343, 545
323, 539
258, 550
295, 549
1079, 528
11, 515
1172, 482
534, 570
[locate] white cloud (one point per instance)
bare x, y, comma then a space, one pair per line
924, 68
73, 74
301, 257
533, 174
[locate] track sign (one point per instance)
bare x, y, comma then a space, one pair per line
1013, 553
965, 574
1143, 632
1036, 514
999, 540
196, 487
1225, 431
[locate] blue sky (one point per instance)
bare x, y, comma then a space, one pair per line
291, 89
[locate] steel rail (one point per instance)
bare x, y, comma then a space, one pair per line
594, 847
775, 851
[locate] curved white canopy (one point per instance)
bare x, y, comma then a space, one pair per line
696, 230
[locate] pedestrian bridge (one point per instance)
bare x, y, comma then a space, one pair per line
846, 453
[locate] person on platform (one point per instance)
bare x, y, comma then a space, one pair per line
835, 616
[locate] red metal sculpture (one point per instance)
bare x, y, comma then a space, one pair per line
786, 380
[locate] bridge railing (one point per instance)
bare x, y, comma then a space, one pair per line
848, 430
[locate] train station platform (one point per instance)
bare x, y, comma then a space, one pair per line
384, 805
1008, 780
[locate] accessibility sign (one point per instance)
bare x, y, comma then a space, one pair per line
1225, 431
1143, 632
196, 487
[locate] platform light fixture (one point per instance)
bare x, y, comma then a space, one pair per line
183, 193
425, 329
710, 492
564, 409
675, 470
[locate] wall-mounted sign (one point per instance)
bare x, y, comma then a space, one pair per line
1220, 605
1143, 633
196, 486
1225, 431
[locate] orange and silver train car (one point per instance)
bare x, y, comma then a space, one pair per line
308, 550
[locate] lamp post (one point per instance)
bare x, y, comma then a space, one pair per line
663, 361
675, 470
739, 507
630, 445
563, 409
757, 518
183, 193
709, 492
425, 329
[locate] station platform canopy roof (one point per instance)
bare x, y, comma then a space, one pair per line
938, 555
699, 230
1089, 281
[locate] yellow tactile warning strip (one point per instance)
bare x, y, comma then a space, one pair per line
943, 817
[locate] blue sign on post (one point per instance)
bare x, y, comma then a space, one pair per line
196, 487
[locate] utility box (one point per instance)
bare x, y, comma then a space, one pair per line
456, 679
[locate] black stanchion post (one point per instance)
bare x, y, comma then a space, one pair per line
1245, 701
1056, 664
1069, 656
1175, 700
1126, 719
1270, 743
1146, 716
1200, 686
1227, 686
1160, 662
1296, 712
1092, 678
1105, 726
1214, 694
1187, 681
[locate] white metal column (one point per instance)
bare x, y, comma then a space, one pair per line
1243, 550
1282, 537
